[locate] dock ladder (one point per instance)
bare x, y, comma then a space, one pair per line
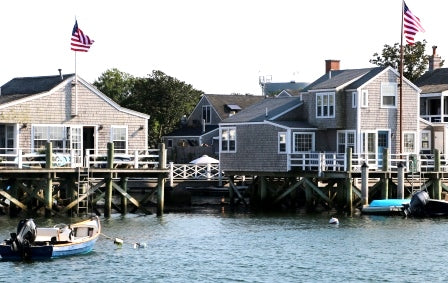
83, 187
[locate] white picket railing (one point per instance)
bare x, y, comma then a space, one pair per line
139, 158
26, 158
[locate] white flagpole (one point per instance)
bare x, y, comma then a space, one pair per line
76, 88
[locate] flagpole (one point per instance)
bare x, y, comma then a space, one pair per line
401, 79
76, 88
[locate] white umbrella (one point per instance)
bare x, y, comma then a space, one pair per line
204, 159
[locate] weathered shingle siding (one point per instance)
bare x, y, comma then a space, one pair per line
195, 118
323, 123
350, 115
55, 108
375, 117
257, 150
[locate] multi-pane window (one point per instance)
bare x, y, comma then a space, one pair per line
228, 139
206, 114
119, 138
281, 142
425, 140
409, 142
303, 142
346, 139
388, 94
325, 105
6, 138
55, 134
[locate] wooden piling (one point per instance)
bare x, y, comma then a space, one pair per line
161, 181
348, 182
400, 181
109, 186
364, 184
124, 199
48, 191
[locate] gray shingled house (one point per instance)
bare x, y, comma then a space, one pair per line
434, 109
198, 134
70, 113
354, 108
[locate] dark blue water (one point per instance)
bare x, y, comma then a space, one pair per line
214, 246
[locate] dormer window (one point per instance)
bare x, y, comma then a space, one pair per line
325, 105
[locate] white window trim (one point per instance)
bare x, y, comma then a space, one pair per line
429, 140
209, 112
328, 94
346, 133
127, 136
415, 141
221, 130
364, 98
354, 100
383, 84
285, 142
313, 141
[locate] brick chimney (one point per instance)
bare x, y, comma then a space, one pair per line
434, 60
331, 65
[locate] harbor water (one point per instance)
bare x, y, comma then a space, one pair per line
218, 246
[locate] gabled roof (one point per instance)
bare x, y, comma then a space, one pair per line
220, 102
266, 109
18, 88
275, 88
23, 89
191, 131
435, 81
351, 78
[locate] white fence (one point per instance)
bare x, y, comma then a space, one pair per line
26, 158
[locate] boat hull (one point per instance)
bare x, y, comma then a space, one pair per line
81, 239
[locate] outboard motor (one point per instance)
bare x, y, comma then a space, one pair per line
417, 204
26, 234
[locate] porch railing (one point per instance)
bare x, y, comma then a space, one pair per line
27, 158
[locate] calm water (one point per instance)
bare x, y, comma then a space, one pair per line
231, 247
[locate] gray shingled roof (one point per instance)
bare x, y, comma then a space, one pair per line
433, 82
338, 78
18, 88
191, 131
291, 87
219, 102
257, 112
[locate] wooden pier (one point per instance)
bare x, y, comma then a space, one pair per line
36, 185
72, 190
343, 184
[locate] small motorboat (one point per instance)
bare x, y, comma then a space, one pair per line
34, 243
385, 207
422, 205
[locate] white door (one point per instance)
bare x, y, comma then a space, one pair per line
76, 146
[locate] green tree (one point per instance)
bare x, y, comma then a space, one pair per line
164, 98
115, 84
415, 60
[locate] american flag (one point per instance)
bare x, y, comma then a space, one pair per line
80, 41
411, 25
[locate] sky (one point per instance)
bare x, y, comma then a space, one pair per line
217, 46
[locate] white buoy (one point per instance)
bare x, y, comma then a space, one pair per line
139, 245
118, 241
333, 220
